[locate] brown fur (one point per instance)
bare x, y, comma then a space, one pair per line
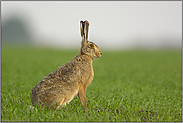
69, 80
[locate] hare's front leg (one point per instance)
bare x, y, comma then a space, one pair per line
82, 96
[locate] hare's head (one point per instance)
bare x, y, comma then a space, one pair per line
87, 47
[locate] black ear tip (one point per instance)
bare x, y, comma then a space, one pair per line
87, 22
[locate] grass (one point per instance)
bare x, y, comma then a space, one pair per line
128, 86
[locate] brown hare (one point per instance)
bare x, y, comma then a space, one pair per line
69, 80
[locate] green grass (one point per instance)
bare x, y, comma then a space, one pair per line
128, 86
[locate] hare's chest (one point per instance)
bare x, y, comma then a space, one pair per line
90, 76
86, 74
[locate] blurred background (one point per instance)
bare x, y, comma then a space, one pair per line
113, 25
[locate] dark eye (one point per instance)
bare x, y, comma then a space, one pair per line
91, 45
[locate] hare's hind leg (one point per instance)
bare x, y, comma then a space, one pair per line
60, 103
64, 102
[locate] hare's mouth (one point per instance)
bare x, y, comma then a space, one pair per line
99, 55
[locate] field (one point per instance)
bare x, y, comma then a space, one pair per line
128, 86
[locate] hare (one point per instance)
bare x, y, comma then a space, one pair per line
69, 80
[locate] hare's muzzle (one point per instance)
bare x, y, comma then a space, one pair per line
99, 53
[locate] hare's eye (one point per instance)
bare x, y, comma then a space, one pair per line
91, 45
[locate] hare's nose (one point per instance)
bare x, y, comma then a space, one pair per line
100, 53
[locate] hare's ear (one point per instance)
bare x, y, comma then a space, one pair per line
86, 27
82, 29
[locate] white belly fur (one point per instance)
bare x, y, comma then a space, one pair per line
73, 95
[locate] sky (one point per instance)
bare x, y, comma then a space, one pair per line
113, 24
